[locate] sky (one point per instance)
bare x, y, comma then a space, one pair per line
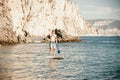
99, 9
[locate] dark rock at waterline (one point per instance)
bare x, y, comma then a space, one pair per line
62, 36
7, 36
24, 39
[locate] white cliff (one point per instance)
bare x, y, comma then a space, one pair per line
37, 16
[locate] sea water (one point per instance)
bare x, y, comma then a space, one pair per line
95, 58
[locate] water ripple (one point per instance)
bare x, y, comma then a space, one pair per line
83, 61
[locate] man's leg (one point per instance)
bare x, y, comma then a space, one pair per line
50, 51
51, 48
54, 49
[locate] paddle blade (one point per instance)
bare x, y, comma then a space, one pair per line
58, 51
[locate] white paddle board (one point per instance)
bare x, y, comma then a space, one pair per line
57, 57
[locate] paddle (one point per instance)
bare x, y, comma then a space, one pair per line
58, 50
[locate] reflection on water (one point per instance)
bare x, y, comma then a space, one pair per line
53, 63
54, 67
83, 61
26, 67
27, 62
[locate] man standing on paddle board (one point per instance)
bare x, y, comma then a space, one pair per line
53, 42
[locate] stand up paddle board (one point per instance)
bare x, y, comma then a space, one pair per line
57, 57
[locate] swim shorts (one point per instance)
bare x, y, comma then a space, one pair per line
52, 45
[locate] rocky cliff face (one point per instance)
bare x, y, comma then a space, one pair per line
36, 17
7, 36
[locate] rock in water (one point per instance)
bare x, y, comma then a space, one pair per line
63, 37
7, 36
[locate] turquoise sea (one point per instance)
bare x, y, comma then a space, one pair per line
96, 58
